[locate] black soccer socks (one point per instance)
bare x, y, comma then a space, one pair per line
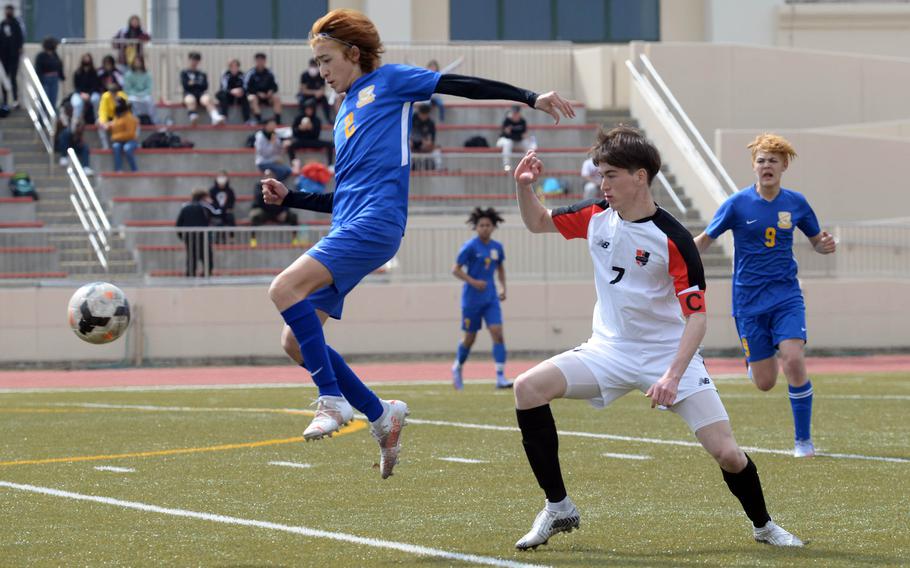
541, 443
746, 486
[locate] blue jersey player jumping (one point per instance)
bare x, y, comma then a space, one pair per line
477, 261
369, 209
767, 301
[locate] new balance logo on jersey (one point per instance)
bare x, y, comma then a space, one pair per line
603, 244
704, 381
641, 257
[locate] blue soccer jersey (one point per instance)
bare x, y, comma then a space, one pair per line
764, 268
372, 130
481, 261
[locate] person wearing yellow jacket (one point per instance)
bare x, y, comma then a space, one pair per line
124, 134
106, 110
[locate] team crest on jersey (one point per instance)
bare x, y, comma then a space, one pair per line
366, 96
784, 220
494, 254
641, 257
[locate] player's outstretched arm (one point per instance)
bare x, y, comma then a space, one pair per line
824, 243
702, 242
275, 193
535, 216
476, 88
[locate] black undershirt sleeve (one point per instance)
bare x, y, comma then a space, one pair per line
477, 88
320, 202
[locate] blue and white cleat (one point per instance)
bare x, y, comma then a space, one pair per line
457, 379
501, 382
803, 449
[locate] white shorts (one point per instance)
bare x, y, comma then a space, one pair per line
602, 372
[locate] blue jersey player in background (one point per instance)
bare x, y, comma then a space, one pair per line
478, 260
369, 209
767, 302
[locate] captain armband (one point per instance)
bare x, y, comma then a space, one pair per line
692, 300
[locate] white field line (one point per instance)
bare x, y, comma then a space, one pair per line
239, 386
829, 396
303, 531
292, 464
114, 469
626, 456
490, 427
462, 460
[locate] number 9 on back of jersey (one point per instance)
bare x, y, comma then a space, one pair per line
99, 312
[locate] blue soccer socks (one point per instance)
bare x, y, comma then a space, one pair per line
358, 394
801, 403
499, 357
462, 354
303, 321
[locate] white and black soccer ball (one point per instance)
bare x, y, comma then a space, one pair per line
99, 312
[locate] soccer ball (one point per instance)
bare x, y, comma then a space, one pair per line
99, 313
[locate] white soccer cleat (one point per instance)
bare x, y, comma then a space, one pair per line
775, 536
332, 412
803, 449
387, 431
547, 524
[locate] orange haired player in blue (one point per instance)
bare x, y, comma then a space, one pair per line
369, 209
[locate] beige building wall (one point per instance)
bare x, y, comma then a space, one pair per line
881, 28
103, 18
192, 323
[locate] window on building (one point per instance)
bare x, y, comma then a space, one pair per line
242, 19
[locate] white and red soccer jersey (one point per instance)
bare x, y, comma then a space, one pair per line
648, 273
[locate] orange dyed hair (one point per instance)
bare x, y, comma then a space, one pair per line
774, 144
351, 27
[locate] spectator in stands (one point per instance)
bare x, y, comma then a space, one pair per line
69, 134
436, 100
124, 136
262, 212
129, 42
232, 91
312, 88
305, 130
269, 149
137, 84
106, 110
12, 40
108, 73
593, 179
49, 68
87, 89
262, 89
423, 139
223, 199
514, 135
197, 213
195, 84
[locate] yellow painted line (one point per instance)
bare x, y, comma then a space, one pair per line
354, 426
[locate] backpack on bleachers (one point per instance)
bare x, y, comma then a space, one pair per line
476, 142
20, 184
165, 140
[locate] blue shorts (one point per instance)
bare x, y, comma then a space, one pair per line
760, 335
350, 253
472, 316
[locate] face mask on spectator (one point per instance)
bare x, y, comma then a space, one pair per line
313, 71
221, 180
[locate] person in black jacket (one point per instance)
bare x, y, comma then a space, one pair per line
306, 128
197, 213
262, 89
86, 89
12, 38
223, 199
233, 91
49, 68
312, 88
195, 85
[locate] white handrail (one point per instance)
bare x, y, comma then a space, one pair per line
91, 236
88, 208
40, 109
665, 183
692, 131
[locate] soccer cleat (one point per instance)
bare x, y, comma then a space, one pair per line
549, 523
803, 449
775, 536
502, 383
457, 379
332, 412
387, 431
